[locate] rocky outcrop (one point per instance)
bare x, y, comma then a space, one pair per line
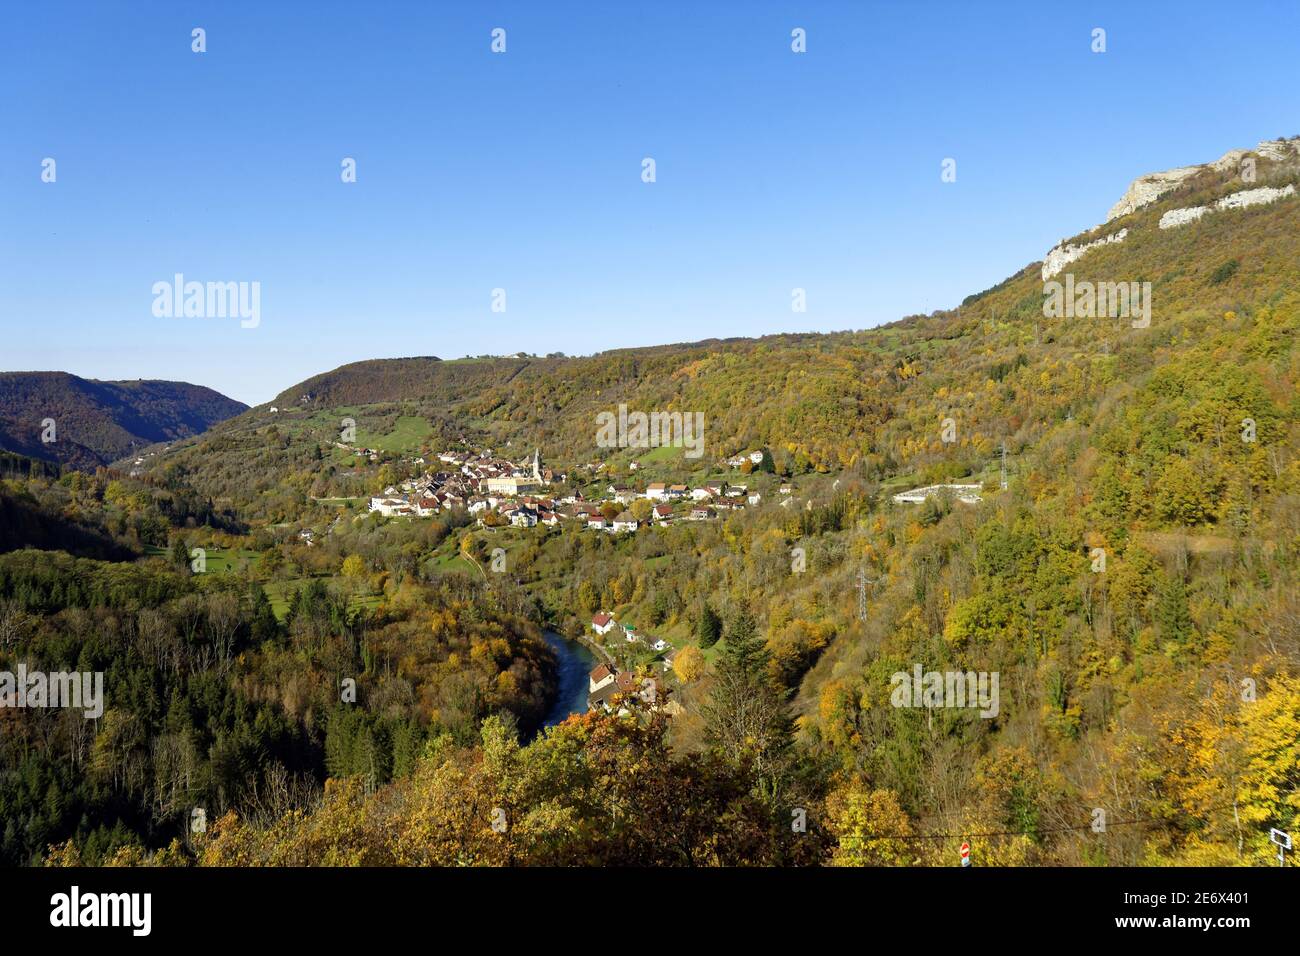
1181, 217
1147, 189
1237, 200
1063, 254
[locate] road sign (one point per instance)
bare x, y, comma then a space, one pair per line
1283, 841
965, 854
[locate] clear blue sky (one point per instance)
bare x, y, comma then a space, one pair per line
522, 170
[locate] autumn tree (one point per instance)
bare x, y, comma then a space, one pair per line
688, 664
870, 827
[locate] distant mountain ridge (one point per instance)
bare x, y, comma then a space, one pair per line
96, 422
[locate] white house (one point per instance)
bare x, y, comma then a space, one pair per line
656, 491
390, 506
603, 623
625, 522
524, 518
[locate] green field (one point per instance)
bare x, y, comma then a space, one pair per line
407, 437
454, 562
664, 453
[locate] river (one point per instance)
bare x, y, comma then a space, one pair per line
575, 664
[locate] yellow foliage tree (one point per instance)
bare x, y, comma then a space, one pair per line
688, 664
871, 828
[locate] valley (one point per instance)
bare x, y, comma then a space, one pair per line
1001, 565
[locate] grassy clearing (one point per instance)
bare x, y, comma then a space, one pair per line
454, 562
661, 455
407, 437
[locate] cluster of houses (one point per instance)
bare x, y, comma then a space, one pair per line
604, 622
607, 684
753, 457
482, 484
705, 503
473, 482
609, 689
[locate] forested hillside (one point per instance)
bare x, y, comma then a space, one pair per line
83, 423
1132, 584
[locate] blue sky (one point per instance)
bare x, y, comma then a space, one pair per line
522, 170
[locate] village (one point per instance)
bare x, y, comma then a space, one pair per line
501, 492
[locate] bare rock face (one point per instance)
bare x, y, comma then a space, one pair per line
1237, 200
1062, 255
1279, 150
1147, 189
1181, 217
